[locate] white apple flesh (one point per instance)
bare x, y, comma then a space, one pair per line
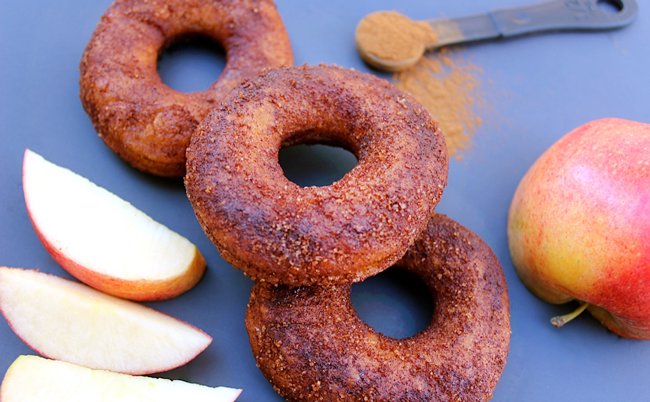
103, 240
33, 378
69, 321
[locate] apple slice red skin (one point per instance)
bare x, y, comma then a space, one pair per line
48, 355
136, 290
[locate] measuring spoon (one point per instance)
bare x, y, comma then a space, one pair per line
555, 15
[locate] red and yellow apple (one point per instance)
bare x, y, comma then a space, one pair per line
103, 240
33, 378
69, 321
579, 224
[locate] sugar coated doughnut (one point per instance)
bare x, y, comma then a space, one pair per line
312, 346
140, 118
277, 231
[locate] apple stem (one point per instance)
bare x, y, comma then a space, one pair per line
563, 319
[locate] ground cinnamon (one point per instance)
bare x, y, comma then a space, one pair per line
442, 81
389, 35
449, 87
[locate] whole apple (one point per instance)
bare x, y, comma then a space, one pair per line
579, 224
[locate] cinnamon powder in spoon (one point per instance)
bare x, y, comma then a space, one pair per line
389, 35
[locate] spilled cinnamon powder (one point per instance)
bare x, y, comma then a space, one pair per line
448, 87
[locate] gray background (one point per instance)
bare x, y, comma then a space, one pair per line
536, 89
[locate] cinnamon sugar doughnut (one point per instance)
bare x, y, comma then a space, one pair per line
141, 119
312, 346
277, 231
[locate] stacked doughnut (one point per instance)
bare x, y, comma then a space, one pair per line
305, 246
145, 122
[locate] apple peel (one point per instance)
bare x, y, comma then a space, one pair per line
69, 321
103, 240
579, 224
33, 378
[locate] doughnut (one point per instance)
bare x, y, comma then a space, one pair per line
145, 122
277, 231
311, 345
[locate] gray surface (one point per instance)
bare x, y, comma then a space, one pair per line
537, 88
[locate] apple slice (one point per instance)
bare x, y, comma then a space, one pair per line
66, 320
33, 378
103, 240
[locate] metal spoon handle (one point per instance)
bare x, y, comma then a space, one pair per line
546, 16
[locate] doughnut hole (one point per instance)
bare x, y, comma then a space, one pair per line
315, 165
394, 302
316, 158
191, 63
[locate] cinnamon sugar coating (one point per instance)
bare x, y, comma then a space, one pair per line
141, 119
312, 346
277, 231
